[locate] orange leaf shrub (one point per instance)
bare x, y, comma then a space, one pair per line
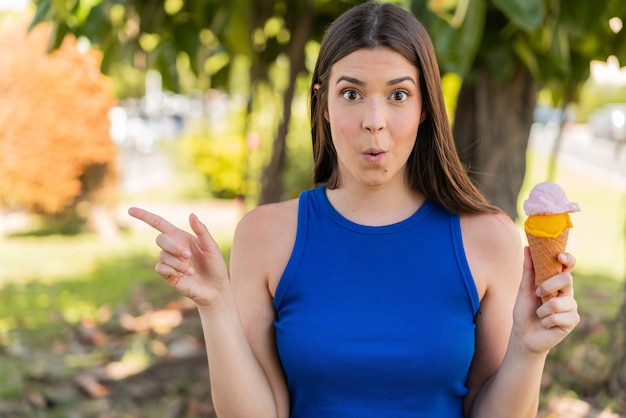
55, 147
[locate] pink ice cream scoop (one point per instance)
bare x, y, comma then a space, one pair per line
548, 198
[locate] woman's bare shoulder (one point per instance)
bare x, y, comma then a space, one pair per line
493, 248
490, 229
269, 218
263, 242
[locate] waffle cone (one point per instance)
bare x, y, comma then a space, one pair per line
544, 252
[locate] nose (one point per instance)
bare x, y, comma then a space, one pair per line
374, 116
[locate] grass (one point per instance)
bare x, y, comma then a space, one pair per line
48, 285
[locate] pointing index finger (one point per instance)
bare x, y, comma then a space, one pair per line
152, 219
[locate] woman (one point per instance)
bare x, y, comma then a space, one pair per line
392, 289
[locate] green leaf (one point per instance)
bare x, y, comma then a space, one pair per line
560, 52
527, 14
452, 11
456, 48
237, 32
97, 28
216, 62
59, 30
42, 14
109, 53
186, 39
528, 57
165, 64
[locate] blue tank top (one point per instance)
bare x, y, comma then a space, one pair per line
375, 321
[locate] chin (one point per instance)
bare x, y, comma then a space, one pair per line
374, 182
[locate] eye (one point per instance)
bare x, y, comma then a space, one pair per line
400, 95
350, 95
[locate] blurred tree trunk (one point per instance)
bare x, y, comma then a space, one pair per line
491, 129
568, 99
272, 185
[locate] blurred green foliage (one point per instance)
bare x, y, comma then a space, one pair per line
231, 162
218, 151
298, 174
232, 145
552, 40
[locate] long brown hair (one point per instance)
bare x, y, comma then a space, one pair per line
433, 168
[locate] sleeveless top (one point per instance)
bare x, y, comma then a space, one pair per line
375, 321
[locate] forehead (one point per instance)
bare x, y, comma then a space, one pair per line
378, 63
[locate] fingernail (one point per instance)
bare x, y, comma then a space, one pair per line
190, 271
186, 253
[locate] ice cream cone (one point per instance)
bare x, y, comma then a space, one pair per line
544, 252
547, 228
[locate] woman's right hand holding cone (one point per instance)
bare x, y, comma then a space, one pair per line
191, 264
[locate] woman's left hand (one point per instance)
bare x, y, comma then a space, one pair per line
541, 326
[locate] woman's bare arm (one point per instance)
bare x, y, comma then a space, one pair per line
192, 264
514, 330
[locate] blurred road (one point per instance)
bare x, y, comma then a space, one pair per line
144, 171
597, 157
140, 171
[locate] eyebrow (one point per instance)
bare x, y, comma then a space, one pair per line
389, 83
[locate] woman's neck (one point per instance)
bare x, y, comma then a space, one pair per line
375, 206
